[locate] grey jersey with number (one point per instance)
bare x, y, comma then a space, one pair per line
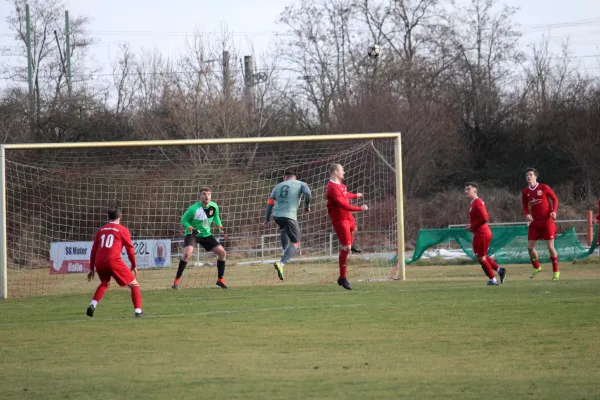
287, 198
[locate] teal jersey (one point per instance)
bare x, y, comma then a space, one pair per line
287, 198
201, 218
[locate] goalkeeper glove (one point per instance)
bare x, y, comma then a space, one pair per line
193, 231
222, 233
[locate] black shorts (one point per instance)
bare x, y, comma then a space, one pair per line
290, 227
208, 242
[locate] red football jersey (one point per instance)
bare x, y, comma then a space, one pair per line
108, 244
338, 206
478, 216
537, 199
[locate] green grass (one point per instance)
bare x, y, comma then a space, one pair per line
440, 334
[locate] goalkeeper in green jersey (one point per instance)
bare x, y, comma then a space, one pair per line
197, 222
283, 203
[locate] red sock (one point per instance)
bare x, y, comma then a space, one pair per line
343, 262
493, 263
102, 288
136, 296
535, 263
554, 263
487, 268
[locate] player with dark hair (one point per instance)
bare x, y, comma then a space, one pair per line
340, 212
536, 198
197, 222
482, 235
283, 202
106, 259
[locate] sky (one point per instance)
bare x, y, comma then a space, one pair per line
164, 25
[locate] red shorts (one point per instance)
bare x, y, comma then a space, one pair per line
344, 230
120, 271
542, 230
481, 243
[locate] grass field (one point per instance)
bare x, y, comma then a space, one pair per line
440, 334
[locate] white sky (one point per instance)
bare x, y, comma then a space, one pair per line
164, 24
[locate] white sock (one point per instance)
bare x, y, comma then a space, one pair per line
493, 279
94, 303
138, 310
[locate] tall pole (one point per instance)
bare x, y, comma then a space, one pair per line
249, 81
29, 57
68, 50
3, 240
226, 73
400, 207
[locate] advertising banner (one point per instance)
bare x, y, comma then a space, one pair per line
74, 257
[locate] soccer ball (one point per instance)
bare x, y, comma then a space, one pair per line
374, 51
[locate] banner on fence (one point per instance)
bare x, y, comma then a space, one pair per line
74, 257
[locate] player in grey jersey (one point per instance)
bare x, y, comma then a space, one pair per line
283, 203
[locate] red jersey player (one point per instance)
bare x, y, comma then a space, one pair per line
340, 212
598, 222
106, 258
482, 235
541, 214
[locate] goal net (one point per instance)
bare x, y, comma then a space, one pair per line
54, 200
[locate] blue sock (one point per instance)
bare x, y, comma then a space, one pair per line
289, 253
285, 240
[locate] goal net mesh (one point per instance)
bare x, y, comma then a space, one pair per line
57, 199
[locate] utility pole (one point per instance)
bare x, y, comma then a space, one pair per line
29, 58
249, 81
226, 74
68, 50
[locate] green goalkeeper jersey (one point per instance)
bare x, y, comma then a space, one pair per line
200, 218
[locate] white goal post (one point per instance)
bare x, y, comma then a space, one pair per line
16, 176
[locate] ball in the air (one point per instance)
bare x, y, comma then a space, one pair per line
374, 51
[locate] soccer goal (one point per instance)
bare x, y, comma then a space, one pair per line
54, 197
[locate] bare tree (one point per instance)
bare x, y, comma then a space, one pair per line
13, 121
47, 17
318, 51
408, 31
153, 72
485, 42
124, 79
